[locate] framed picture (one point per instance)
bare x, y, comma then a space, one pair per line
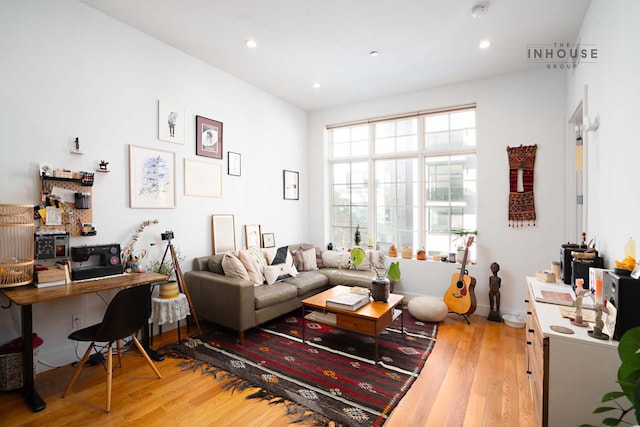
202, 178
252, 234
291, 185
268, 240
170, 123
208, 137
233, 160
223, 235
152, 178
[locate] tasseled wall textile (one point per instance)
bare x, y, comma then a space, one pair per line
522, 209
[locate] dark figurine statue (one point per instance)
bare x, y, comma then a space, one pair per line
494, 294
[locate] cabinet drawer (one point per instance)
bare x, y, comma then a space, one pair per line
363, 326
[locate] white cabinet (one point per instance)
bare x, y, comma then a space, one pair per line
568, 373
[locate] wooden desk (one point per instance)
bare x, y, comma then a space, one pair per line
26, 296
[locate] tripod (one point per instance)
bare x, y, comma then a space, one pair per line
182, 286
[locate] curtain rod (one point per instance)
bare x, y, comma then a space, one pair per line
404, 116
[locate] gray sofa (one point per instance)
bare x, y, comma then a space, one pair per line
238, 304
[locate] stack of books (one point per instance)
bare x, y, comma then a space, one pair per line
52, 276
348, 301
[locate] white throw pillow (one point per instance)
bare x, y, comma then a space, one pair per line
335, 259
233, 267
309, 259
254, 272
275, 273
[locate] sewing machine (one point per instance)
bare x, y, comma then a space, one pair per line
89, 262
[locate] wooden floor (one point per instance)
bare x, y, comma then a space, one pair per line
474, 377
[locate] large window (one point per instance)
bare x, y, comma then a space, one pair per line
423, 170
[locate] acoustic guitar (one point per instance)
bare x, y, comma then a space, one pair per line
460, 297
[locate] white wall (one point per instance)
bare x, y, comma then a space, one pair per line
523, 108
69, 71
613, 89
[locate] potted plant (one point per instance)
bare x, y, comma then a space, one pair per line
629, 380
380, 285
461, 240
356, 236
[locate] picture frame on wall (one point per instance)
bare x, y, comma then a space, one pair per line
202, 178
234, 163
170, 123
208, 137
152, 178
291, 185
252, 235
268, 240
223, 234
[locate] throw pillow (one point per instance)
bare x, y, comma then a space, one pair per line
255, 273
309, 259
335, 259
233, 267
281, 255
276, 273
319, 263
298, 260
260, 260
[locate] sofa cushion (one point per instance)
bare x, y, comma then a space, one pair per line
266, 296
348, 277
233, 267
308, 281
258, 257
305, 259
335, 259
214, 264
255, 272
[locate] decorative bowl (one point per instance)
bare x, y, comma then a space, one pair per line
514, 320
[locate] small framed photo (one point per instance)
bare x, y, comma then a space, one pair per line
291, 185
233, 160
268, 240
252, 235
208, 137
170, 123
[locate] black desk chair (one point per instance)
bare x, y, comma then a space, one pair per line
126, 314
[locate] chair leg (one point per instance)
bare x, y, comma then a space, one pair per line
76, 373
109, 376
146, 356
119, 353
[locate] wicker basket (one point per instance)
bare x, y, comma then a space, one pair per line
11, 370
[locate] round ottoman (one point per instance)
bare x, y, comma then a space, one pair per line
428, 309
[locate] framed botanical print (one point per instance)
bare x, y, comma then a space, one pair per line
152, 178
208, 137
234, 163
268, 240
202, 178
252, 236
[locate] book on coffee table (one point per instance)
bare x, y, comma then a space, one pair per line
348, 301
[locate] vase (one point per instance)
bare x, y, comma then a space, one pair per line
380, 289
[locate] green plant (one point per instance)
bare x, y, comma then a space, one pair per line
358, 255
165, 268
461, 237
629, 380
356, 236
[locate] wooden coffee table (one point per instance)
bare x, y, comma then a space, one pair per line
369, 320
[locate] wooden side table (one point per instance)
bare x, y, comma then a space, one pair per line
170, 310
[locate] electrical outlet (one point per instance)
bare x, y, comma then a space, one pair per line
76, 322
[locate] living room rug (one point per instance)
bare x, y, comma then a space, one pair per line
331, 377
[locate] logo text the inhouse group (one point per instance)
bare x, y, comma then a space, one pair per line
565, 53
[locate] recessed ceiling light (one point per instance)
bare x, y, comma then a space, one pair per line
373, 53
316, 85
484, 44
251, 43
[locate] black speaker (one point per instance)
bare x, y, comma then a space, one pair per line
624, 294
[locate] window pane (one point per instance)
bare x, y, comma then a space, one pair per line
407, 127
385, 129
341, 195
436, 123
341, 173
463, 119
385, 145
360, 133
341, 216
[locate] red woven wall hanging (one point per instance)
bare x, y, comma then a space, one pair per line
522, 208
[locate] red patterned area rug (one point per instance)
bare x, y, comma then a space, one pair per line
330, 377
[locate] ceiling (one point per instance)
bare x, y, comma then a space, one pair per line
421, 43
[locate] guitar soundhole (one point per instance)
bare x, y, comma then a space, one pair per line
460, 285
